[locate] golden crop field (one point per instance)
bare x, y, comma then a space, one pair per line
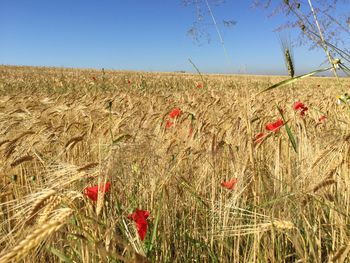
112, 166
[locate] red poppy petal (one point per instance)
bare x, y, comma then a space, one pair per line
230, 184
322, 118
169, 124
146, 214
142, 226
259, 137
140, 219
92, 191
175, 113
298, 105
274, 126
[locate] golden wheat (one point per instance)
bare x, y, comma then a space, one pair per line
35, 237
81, 135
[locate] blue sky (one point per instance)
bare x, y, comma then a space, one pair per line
141, 35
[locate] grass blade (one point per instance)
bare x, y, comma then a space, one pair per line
197, 70
291, 138
292, 80
345, 69
121, 137
192, 191
60, 255
289, 131
155, 227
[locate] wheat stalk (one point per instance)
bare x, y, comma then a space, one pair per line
341, 254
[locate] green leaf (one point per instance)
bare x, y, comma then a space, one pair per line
155, 226
196, 70
345, 69
60, 255
289, 131
192, 191
291, 138
292, 80
197, 243
121, 137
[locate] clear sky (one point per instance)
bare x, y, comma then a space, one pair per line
141, 35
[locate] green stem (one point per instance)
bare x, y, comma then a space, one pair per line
196, 70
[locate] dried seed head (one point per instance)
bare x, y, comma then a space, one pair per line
324, 183
289, 63
282, 224
20, 160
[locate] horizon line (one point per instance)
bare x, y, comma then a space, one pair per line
149, 71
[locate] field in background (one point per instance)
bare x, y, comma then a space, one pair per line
62, 130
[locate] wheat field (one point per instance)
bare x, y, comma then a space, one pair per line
65, 130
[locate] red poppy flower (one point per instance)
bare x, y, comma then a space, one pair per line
129, 81
92, 192
274, 126
94, 78
199, 85
169, 124
175, 113
305, 109
140, 218
259, 137
300, 106
229, 184
322, 118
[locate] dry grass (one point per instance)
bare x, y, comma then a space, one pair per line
63, 129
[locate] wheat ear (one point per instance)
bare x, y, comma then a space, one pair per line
36, 237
